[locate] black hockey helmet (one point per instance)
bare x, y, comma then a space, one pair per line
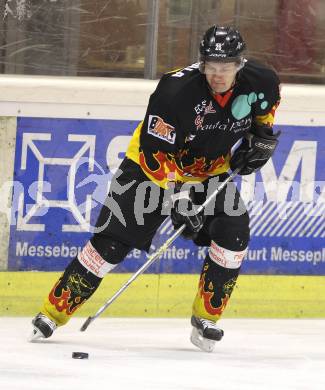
224, 44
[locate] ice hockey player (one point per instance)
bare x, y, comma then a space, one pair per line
194, 118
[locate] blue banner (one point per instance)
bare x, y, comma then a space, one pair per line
63, 168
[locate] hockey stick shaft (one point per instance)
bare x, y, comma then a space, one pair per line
156, 254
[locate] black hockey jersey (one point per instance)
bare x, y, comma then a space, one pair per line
187, 133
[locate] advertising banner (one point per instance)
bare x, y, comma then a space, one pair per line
63, 169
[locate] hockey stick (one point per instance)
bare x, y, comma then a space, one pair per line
156, 254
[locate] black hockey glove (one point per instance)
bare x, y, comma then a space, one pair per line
255, 150
184, 211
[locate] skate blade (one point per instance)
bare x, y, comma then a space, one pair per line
204, 344
35, 336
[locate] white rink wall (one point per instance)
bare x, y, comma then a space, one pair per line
114, 98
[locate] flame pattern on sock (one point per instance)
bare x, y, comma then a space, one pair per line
71, 291
215, 287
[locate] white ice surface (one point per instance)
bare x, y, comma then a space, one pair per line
156, 354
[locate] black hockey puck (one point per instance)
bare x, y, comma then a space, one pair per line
80, 355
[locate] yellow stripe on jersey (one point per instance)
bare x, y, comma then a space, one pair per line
133, 149
174, 71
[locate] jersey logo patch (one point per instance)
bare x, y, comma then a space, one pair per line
160, 129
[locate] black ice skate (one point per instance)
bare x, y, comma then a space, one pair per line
43, 327
205, 333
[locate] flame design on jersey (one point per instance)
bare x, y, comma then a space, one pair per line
162, 167
267, 119
165, 165
201, 167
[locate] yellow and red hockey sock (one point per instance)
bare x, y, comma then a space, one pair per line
77, 284
217, 281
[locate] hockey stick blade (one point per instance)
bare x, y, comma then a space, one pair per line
86, 324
